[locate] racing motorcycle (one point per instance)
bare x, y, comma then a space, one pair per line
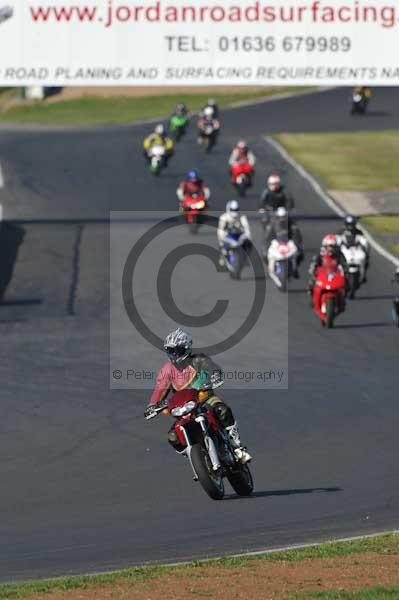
205, 444
359, 103
241, 176
235, 256
329, 291
178, 125
282, 261
193, 208
208, 131
157, 158
356, 258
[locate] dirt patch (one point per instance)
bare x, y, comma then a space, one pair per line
261, 579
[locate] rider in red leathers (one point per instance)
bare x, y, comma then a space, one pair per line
193, 184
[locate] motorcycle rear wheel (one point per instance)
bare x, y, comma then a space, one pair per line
211, 482
241, 481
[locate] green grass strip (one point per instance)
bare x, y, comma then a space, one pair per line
91, 110
359, 161
386, 544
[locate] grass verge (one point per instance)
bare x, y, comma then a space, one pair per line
91, 110
386, 228
382, 545
360, 161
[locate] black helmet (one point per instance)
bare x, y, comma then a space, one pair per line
350, 222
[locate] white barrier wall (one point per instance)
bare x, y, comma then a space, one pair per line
197, 42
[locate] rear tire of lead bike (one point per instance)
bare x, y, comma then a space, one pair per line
235, 272
330, 313
241, 481
194, 226
210, 481
284, 277
353, 284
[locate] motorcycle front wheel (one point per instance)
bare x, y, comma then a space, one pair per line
241, 481
330, 312
211, 482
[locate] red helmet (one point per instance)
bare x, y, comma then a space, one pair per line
274, 182
329, 244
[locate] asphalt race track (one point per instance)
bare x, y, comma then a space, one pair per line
88, 485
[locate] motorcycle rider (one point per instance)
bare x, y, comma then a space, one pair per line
211, 109
273, 197
281, 225
232, 218
184, 370
158, 138
330, 247
181, 110
241, 152
193, 184
351, 235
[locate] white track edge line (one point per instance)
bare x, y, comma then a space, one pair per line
327, 199
215, 558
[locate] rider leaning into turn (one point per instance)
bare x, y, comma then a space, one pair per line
330, 247
158, 138
185, 370
193, 184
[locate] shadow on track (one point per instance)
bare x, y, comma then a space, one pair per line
293, 492
364, 325
381, 297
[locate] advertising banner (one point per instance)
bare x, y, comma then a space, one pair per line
199, 42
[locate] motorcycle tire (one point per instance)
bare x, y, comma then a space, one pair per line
235, 270
330, 313
194, 226
242, 188
241, 480
284, 277
353, 284
211, 482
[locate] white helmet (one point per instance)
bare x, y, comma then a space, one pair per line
208, 112
160, 129
274, 182
232, 207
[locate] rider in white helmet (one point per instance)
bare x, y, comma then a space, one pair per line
232, 216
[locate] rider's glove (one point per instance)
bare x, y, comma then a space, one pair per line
150, 412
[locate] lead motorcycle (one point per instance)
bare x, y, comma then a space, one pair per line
205, 444
208, 131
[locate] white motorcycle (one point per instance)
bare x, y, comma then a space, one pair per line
282, 260
157, 155
356, 258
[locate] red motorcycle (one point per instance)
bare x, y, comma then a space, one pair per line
329, 291
205, 444
241, 176
193, 208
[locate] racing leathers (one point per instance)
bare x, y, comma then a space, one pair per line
278, 228
238, 155
201, 373
191, 187
317, 262
352, 237
270, 201
155, 139
229, 220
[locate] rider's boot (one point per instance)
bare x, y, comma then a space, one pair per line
239, 450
